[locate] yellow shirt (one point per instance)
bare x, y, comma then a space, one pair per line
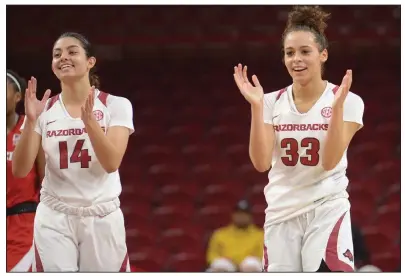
235, 244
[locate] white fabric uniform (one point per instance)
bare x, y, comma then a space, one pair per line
79, 225
299, 186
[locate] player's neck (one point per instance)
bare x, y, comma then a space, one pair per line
309, 91
11, 121
75, 93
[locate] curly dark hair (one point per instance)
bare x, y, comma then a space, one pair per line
308, 18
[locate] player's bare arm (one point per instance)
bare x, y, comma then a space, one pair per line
261, 134
27, 148
40, 164
109, 148
339, 133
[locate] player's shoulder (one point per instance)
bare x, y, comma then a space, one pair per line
351, 99
354, 99
50, 103
271, 97
112, 101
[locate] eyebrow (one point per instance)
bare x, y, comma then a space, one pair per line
305, 46
69, 47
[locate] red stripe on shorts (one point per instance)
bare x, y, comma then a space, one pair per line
38, 262
266, 258
124, 264
332, 255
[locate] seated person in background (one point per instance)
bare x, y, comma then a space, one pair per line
238, 246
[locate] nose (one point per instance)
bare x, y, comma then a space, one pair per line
63, 56
297, 57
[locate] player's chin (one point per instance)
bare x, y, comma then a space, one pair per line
67, 77
300, 77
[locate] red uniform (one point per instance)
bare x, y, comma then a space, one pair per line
22, 197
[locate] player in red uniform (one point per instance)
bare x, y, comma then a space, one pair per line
22, 193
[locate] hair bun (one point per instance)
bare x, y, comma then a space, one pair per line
311, 16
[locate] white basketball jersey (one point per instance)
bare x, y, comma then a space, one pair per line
72, 173
297, 180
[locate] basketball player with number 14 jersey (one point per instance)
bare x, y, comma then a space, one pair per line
84, 132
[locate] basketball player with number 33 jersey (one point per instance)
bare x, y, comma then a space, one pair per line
302, 133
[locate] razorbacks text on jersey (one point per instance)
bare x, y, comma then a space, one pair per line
297, 180
19, 189
73, 174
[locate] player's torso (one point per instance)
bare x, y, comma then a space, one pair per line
72, 167
297, 181
19, 189
300, 136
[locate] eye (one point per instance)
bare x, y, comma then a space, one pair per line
289, 53
56, 55
306, 52
72, 52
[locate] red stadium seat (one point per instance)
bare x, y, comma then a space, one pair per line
215, 216
149, 259
389, 219
137, 192
152, 153
215, 169
376, 241
393, 197
228, 191
178, 191
186, 133
141, 235
184, 262
366, 190
165, 215
387, 261
159, 173
258, 211
238, 153
175, 239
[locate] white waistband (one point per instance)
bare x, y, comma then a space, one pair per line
100, 209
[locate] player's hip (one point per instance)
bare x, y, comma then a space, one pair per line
97, 209
279, 215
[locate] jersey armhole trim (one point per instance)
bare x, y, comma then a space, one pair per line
335, 89
280, 93
102, 96
53, 100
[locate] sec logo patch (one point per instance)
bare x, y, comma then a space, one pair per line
98, 114
326, 112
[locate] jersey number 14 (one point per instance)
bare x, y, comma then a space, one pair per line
78, 155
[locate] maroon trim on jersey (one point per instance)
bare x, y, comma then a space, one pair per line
102, 96
53, 100
332, 254
280, 93
335, 89
124, 264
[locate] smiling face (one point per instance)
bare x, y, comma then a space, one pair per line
302, 57
70, 61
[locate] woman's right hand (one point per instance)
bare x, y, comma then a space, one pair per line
34, 107
253, 94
